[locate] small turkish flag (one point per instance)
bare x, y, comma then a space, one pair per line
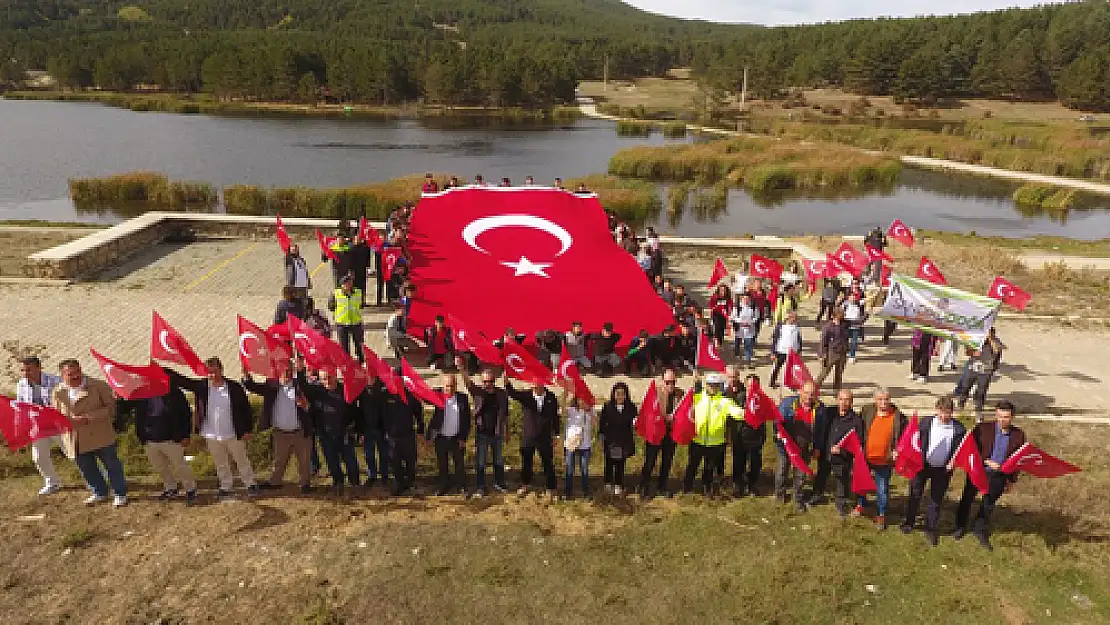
970, 459
282, 236
23, 423
877, 255
862, 481
167, 345
467, 340
524, 366
900, 233
650, 424
1009, 293
759, 408
369, 234
389, 261
378, 367
796, 372
763, 267
325, 245
884, 275
1032, 460
719, 272
911, 459
793, 452
815, 271
354, 376
133, 381
312, 345
416, 385
682, 430
929, 271
570, 378
260, 353
707, 357
833, 267
851, 258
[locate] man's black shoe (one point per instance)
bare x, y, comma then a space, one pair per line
984, 541
959, 533
932, 538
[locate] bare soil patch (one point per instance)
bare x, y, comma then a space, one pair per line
17, 243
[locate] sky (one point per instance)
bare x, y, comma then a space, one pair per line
778, 12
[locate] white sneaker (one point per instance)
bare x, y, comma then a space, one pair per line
923, 380
617, 490
50, 489
119, 501
852, 360
95, 499
913, 377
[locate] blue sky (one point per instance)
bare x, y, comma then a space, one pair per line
775, 12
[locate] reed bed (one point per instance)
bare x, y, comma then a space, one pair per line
636, 201
634, 128
1047, 197
151, 188
375, 200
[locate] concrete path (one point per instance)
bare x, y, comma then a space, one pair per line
1036, 260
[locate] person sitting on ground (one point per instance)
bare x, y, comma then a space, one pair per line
290, 304
604, 343
441, 344
662, 349
550, 344
510, 336
577, 342
668, 293
639, 354
582, 190
686, 348
430, 184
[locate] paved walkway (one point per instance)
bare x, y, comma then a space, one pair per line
199, 288
589, 108
1036, 260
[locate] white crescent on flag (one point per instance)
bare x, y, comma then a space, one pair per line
563, 367
243, 338
760, 267
712, 351
915, 442
1033, 459
163, 338
1003, 291
515, 362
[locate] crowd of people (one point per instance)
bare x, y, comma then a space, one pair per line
307, 411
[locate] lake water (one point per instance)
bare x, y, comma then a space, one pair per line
42, 144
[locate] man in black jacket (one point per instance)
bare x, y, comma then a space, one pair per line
662, 349
224, 418
164, 425
441, 345
747, 442
540, 410
491, 426
997, 440
332, 421
402, 420
940, 436
371, 403
450, 427
838, 422
359, 256
284, 412
833, 349
604, 343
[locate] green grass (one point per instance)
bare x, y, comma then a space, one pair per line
1076, 247
634, 200
78, 539
1047, 197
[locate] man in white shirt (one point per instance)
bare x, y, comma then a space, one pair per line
36, 387
450, 427
939, 436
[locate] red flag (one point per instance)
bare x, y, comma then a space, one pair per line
1032, 460
542, 246
133, 381
682, 431
911, 459
650, 424
900, 233
389, 261
570, 378
763, 267
355, 377
325, 245
314, 346
759, 408
260, 353
23, 423
707, 357
719, 272
282, 235
524, 366
851, 259
466, 340
876, 254
418, 387
928, 270
796, 372
1009, 293
793, 452
815, 270
167, 344
833, 267
968, 458
369, 234
383, 371
884, 275
862, 481
280, 332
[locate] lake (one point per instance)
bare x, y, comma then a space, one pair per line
43, 144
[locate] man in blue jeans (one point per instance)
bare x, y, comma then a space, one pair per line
91, 407
883, 422
371, 402
491, 423
856, 316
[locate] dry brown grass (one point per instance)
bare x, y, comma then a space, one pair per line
17, 243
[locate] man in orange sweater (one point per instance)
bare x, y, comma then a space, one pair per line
883, 422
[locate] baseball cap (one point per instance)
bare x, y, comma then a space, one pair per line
715, 378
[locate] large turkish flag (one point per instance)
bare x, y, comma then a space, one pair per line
528, 258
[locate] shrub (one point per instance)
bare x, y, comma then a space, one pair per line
636, 201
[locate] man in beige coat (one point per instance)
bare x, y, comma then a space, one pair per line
90, 406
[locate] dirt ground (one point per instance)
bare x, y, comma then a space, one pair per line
16, 243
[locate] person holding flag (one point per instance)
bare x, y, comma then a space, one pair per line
940, 435
833, 349
491, 426
540, 414
747, 441
883, 424
89, 404
346, 304
997, 440
297, 275
164, 426
614, 430
402, 419
36, 387
712, 410
577, 443
285, 414
981, 368
669, 400
786, 337
838, 421
799, 415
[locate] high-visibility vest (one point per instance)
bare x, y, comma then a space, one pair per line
348, 308
711, 412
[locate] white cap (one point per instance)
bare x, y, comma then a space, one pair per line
715, 378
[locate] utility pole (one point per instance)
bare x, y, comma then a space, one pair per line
744, 91
605, 74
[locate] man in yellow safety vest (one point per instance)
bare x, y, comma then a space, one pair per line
712, 411
346, 304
